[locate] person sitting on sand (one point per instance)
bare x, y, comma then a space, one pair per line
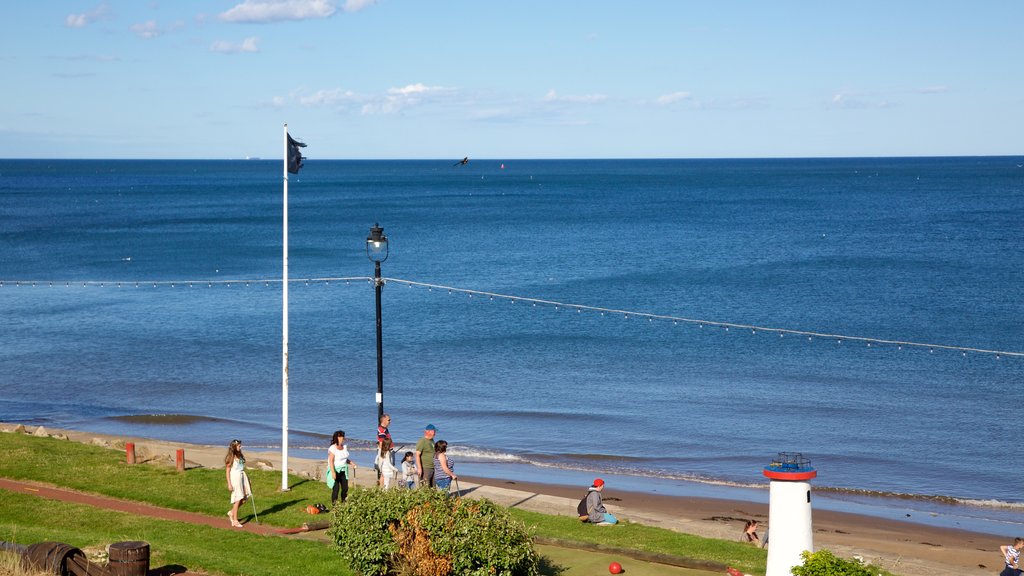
596, 511
1011, 556
750, 533
238, 481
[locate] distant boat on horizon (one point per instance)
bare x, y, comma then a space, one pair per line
253, 158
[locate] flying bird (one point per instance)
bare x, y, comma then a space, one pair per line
462, 162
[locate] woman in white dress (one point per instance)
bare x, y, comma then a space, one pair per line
238, 481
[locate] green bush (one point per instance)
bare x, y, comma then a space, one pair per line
427, 533
824, 563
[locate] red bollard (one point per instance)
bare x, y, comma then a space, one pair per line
129, 449
179, 460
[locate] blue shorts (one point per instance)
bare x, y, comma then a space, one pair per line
443, 483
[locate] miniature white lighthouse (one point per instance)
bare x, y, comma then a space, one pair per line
789, 512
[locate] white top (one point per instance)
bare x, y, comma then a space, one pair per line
385, 464
340, 456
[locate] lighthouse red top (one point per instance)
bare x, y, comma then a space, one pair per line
790, 466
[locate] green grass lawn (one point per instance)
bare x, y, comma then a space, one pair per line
568, 562
26, 519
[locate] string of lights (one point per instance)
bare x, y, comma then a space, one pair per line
177, 283
579, 308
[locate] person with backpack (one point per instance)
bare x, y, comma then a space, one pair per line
591, 507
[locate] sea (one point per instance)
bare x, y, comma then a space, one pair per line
670, 325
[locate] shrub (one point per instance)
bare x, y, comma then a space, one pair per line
426, 533
824, 563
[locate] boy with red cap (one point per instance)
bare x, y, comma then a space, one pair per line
596, 511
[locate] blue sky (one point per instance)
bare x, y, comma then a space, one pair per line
525, 79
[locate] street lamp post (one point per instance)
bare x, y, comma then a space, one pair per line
377, 252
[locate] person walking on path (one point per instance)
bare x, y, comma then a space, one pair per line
443, 466
338, 464
238, 482
596, 512
382, 434
1011, 556
425, 456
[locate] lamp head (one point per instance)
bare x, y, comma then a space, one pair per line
377, 244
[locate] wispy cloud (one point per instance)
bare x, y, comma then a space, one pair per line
226, 47
553, 96
147, 29
391, 101
666, 99
88, 58
73, 75
879, 99
357, 5
83, 20
264, 11
409, 96
333, 98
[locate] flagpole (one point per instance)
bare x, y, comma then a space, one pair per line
284, 329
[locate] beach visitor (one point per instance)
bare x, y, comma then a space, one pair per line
409, 470
382, 432
338, 464
596, 511
385, 463
443, 466
750, 533
1011, 557
425, 456
238, 481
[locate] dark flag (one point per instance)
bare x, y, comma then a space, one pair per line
295, 157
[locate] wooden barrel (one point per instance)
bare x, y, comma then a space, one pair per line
128, 558
50, 557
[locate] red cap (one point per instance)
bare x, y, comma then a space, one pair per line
598, 483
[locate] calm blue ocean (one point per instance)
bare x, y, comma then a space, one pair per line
919, 249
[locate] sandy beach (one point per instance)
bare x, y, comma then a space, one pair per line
901, 547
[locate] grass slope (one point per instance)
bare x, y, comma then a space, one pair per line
99, 470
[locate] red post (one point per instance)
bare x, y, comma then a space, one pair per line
179, 460
129, 449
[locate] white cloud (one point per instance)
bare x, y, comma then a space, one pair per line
398, 99
82, 20
932, 90
280, 10
148, 29
357, 5
391, 101
333, 97
853, 100
552, 96
674, 97
226, 47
